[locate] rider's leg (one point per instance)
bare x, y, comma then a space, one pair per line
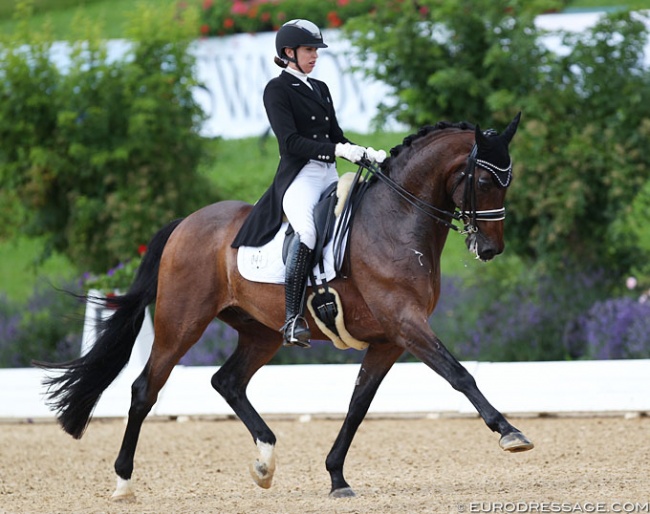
296, 329
298, 205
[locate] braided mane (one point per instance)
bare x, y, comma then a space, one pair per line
424, 131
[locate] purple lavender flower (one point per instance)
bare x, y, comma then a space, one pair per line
618, 328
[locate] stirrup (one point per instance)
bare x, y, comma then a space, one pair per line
300, 339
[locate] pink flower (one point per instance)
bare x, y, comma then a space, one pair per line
342, 3
239, 7
207, 4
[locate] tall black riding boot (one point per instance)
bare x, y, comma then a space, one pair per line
296, 330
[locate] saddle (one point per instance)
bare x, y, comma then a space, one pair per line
333, 215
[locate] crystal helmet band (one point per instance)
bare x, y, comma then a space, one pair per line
295, 33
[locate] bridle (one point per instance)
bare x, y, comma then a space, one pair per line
469, 215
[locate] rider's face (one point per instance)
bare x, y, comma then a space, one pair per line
306, 57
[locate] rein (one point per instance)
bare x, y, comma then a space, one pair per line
469, 216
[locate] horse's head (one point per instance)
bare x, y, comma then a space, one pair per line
431, 171
481, 198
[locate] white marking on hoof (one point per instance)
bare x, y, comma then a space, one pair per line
123, 491
263, 467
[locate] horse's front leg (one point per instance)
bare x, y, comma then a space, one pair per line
425, 345
231, 381
376, 363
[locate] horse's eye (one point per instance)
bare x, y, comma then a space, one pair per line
484, 184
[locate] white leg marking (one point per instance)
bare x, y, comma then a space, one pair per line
263, 467
123, 491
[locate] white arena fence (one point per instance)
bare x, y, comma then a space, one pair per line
522, 388
515, 388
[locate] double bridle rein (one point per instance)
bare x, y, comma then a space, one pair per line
468, 215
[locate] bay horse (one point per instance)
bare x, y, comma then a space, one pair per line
443, 174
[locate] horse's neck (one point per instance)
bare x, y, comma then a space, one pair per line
398, 228
405, 223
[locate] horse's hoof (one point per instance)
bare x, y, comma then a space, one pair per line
123, 498
515, 442
123, 492
261, 474
344, 492
263, 468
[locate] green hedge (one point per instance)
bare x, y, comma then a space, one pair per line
7, 7
98, 157
579, 187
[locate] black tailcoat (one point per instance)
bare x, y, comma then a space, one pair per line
306, 127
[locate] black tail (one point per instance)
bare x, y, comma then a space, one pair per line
76, 390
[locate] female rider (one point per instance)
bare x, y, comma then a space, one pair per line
301, 113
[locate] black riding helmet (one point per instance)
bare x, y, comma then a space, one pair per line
297, 33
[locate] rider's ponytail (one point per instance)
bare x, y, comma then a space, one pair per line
280, 62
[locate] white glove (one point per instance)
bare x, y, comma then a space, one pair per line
352, 153
377, 156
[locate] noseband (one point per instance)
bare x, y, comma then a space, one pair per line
469, 215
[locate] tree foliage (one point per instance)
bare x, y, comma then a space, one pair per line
582, 159
101, 154
579, 154
450, 59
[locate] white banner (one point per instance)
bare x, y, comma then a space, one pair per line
234, 70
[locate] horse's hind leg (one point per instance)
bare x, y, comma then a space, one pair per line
257, 345
376, 364
171, 342
141, 404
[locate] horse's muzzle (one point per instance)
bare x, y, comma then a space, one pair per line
485, 249
488, 254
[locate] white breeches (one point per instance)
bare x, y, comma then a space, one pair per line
303, 194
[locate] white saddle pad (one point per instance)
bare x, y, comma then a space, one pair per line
264, 263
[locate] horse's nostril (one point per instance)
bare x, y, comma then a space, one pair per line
487, 254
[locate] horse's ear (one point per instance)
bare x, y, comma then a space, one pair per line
479, 136
510, 130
